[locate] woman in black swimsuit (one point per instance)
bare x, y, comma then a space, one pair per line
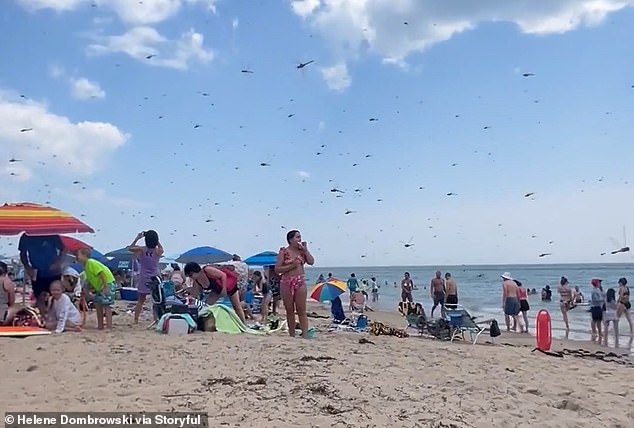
624, 303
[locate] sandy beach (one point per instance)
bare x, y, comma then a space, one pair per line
331, 380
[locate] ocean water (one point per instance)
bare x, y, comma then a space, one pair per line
480, 289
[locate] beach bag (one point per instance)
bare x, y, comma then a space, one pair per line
28, 317
494, 329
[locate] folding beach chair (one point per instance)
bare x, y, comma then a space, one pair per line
414, 314
461, 322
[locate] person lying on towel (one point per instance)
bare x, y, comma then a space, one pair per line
213, 283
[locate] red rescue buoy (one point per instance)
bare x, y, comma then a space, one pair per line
543, 330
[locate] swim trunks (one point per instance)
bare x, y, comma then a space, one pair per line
452, 301
511, 306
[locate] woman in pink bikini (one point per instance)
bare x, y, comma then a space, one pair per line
290, 265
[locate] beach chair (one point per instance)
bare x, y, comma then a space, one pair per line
461, 322
414, 314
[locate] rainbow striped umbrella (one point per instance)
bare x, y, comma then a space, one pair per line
328, 290
36, 219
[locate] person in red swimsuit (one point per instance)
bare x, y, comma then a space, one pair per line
218, 281
290, 265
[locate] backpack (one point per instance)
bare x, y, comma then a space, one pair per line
494, 329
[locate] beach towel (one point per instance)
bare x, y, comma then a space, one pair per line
227, 321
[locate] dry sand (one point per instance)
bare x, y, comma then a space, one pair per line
332, 380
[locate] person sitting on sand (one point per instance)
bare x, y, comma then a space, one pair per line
357, 302
7, 293
100, 286
215, 282
510, 300
62, 314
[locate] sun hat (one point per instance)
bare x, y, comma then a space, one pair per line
596, 282
507, 275
69, 271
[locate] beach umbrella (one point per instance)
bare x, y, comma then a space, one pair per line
328, 290
36, 219
73, 244
121, 253
204, 255
266, 258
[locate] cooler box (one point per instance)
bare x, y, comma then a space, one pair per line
177, 327
128, 293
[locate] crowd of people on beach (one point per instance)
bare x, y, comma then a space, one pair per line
61, 296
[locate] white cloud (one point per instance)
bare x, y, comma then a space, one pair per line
131, 11
52, 141
336, 77
143, 42
380, 25
56, 71
235, 23
81, 88
84, 89
303, 175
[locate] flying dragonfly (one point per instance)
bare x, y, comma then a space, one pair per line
409, 243
624, 248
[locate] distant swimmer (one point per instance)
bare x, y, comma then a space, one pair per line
437, 290
547, 294
452, 292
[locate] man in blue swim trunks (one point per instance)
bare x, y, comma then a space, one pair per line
510, 301
42, 257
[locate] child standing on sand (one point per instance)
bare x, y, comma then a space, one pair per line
100, 283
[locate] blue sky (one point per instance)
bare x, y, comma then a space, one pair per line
444, 79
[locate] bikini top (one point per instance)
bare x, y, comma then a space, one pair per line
288, 257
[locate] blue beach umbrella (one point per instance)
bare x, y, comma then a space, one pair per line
266, 258
204, 255
121, 253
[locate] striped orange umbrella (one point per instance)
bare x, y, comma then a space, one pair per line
36, 219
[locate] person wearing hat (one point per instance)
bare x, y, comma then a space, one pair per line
510, 300
597, 300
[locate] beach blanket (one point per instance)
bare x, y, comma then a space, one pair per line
227, 321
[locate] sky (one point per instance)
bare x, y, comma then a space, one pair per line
418, 122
